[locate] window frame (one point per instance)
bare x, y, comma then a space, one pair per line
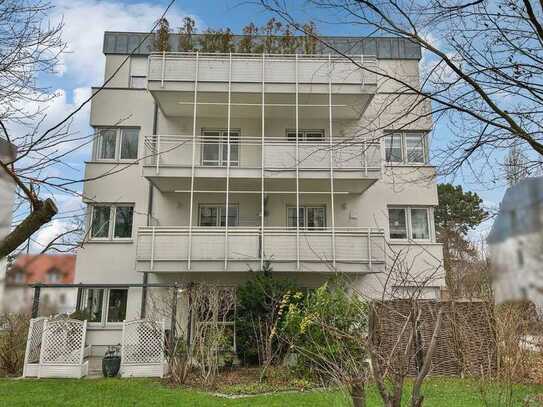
403, 148
305, 217
304, 133
130, 83
112, 219
119, 134
409, 225
104, 313
221, 143
220, 207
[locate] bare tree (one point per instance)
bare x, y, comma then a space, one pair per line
483, 69
29, 46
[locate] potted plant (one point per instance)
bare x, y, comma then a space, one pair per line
111, 363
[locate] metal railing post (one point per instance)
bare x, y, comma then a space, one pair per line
163, 68
297, 173
331, 144
227, 203
153, 249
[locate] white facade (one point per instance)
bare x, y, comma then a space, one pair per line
313, 204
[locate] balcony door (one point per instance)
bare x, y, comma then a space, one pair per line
215, 148
215, 216
310, 218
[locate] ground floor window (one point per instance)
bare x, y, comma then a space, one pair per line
101, 305
310, 217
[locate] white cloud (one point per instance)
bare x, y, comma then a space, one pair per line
84, 24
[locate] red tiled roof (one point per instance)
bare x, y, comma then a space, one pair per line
37, 267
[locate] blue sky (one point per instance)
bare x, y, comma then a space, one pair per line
83, 64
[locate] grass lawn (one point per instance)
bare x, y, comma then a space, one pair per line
144, 392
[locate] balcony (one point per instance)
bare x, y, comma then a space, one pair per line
355, 165
200, 249
246, 82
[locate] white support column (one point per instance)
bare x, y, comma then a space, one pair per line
194, 111
297, 175
331, 141
262, 172
227, 164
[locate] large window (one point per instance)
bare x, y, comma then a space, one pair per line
116, 144
215, 216
307, 136
406, 222
406, 148
92, 304
310, 217
111, 221
215, 148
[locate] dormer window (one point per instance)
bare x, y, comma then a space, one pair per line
54, 276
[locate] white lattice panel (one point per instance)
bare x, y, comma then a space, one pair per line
33, 344
63, 342
142, 342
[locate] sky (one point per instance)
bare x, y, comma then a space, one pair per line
82, 67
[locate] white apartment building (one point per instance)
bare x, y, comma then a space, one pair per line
208, 165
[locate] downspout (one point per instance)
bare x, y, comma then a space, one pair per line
145, 278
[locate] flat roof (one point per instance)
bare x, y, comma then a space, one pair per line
382, 47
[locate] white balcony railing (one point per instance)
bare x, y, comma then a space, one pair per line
174, 246
279, 154
247, 68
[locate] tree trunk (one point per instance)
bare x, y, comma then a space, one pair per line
358, 394
36, 219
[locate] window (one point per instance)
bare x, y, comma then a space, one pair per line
397, 223
116, 144
111, 221
308, 136
309, 217
138, 82
412, 223
407, 148
93, 300
215, 216
54, 276
215, 148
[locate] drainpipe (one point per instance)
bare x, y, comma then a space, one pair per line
145, 278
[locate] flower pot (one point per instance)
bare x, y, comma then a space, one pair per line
111, 366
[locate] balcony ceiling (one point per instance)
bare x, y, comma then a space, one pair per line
248, 105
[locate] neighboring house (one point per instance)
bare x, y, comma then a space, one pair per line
7, 196
218, 163
41, 268
515, 244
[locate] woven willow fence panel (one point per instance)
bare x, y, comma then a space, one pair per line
466, 343
63, 342
143, 342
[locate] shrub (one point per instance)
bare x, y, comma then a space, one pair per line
13, 332
259, 316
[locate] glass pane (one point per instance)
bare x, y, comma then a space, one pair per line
291, 217
138, 82
208, 216
100, 221
233, 218
129, 144
116, 308
419, 224
397, 224
123, 221
316, 218
314, 137
93, 308
211, 148
415, 148
107, 139
393, 148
